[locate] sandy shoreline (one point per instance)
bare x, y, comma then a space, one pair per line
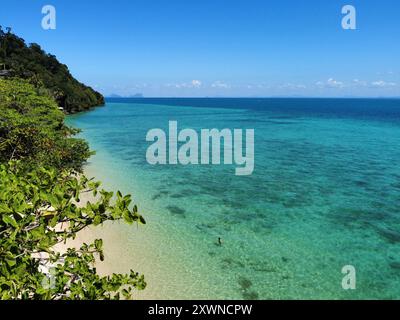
133, 247
112, 240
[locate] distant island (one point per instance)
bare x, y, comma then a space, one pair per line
137, 95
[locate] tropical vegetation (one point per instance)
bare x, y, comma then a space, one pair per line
41, 184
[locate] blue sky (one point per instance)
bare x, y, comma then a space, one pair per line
220, 47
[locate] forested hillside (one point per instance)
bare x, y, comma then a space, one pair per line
41, 69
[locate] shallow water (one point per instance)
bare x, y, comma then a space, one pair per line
324, 194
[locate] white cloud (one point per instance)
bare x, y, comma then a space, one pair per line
293, 86
191, 84
359, 83
374, 84
196, 83
220, 84
330, 83
382, 84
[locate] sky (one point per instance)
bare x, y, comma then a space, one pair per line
220, 48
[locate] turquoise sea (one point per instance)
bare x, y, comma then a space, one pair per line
325, 193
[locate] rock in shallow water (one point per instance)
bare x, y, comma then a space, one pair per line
176, 210
244, 283
389, 234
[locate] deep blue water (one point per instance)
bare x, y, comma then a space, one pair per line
388, 109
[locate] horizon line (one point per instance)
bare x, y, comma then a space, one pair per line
262, 97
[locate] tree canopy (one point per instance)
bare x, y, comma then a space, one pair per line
32, 128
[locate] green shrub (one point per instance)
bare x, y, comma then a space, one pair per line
38, 209
32, 128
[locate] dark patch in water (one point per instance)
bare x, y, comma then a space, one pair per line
295, 201
156, 196
185, 193
244, 283
229, 262
350, 218
396, 185
176, 210
250, 295
284, 259
234, 204
262, 267
251, 120
275, 120
361, 183
160, 195
389, 234
282, 117
290, 204
205, 226
395, 265
281, 122
177, 195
